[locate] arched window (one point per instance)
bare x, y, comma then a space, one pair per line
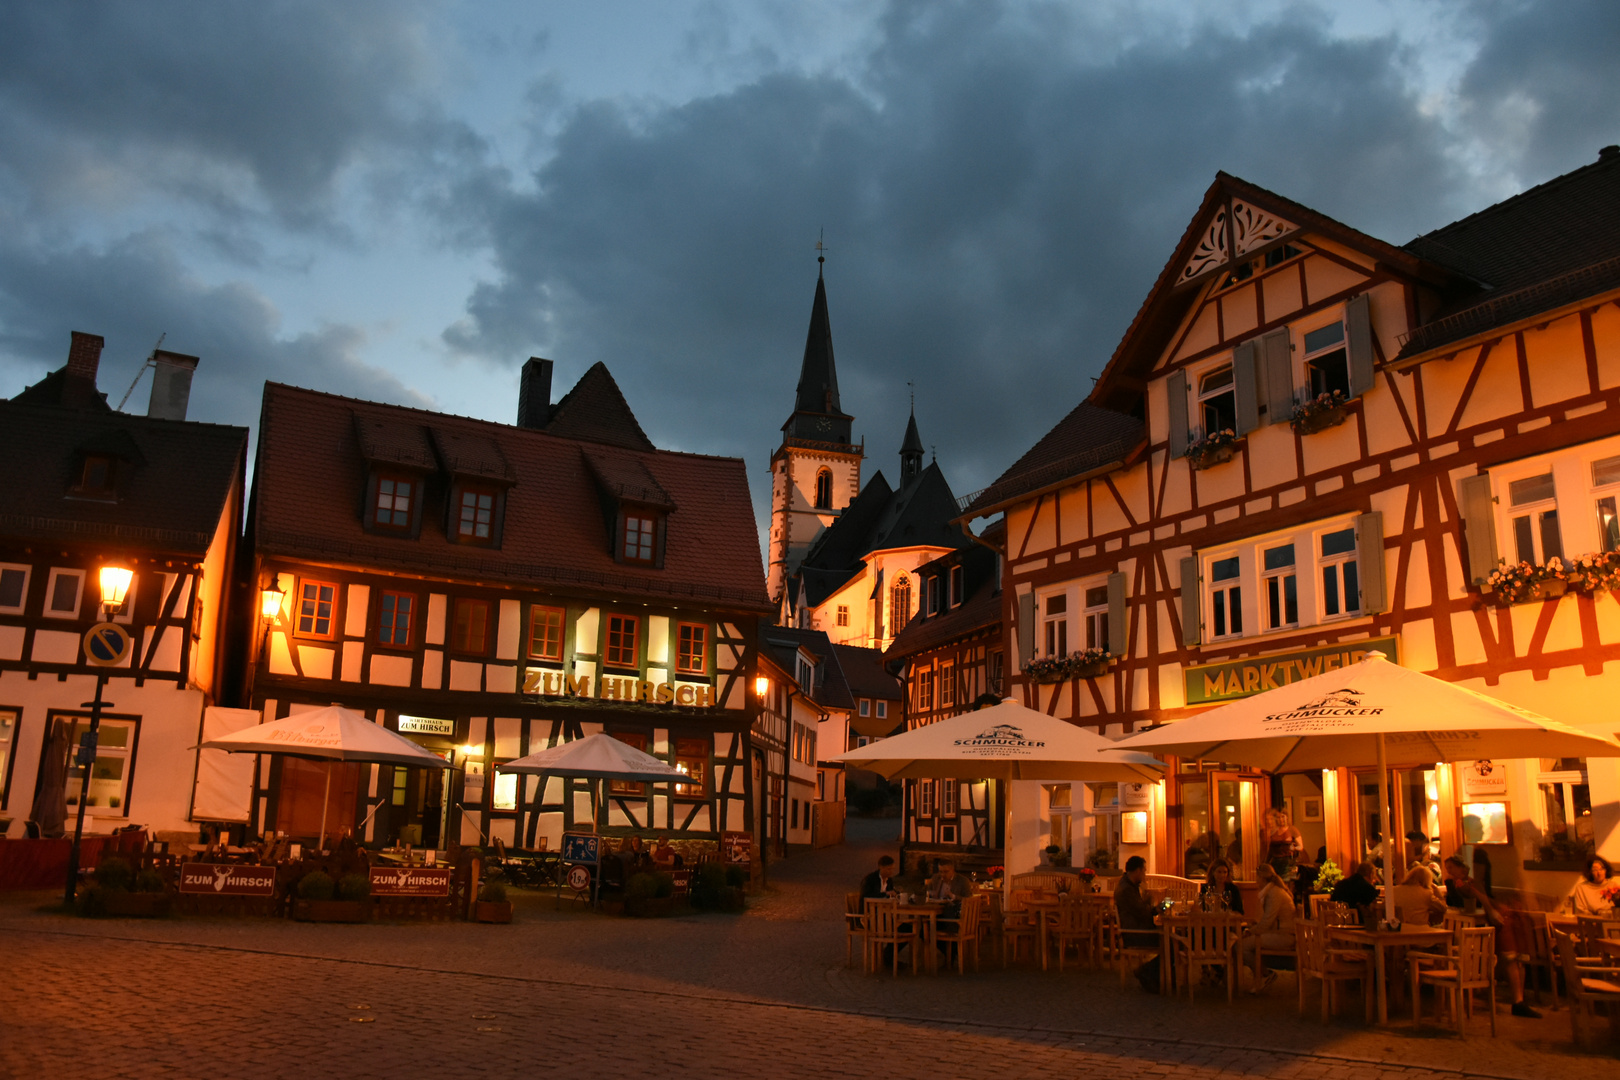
899, 605
824, 490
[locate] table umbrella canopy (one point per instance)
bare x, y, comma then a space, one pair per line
1003, 742
1332, 721
330, 734
595, 757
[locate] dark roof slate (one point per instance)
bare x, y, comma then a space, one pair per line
980, 611
1087, 438
595, 411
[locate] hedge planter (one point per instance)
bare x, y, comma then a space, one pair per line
493, 911
338, 911
135, 905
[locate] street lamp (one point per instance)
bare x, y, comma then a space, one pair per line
762, 686
115, 581
270, 599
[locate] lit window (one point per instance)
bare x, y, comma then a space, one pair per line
506, 791
8, 740
469, 631
638, 538
475, 516
392, 509
947, 685
692, 649
899, 605
925, 690
317, 604
109, 774
1055, 608
1095, 617
692, 762
1225, 597
545, 633
1533, 516
621, 641
13, 588
1341, 587
396, 613
1326, 367
1605, 475
843, 610
1279, 587
632, 788
1217, 403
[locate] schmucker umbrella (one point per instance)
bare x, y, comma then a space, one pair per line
1372, 713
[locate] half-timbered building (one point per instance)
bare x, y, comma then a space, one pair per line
1312, 443
88, 487
489, 590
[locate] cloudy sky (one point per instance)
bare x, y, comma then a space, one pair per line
404, 200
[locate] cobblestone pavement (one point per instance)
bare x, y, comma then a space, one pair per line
583, 994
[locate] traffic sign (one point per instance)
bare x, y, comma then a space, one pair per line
579, 878
106, 645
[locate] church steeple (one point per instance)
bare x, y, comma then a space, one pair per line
911, 450
816, 413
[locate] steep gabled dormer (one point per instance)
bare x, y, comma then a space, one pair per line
635, 507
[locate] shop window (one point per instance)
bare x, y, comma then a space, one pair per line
14, 587
925, 690
109, 773
824, 490
621, 642
1341, 587
1566, 803
392, 501
1225, 597
692, 649
1094, 617
692, 761
545, 633
1327, 368
947, 685
474, 515
640, 539
1054, 610
1533, 517
899, 605
843, 615
1217, 401
317, 609
1279, 587
956, 586
630, 788
1606, 483
395, 617
469, 631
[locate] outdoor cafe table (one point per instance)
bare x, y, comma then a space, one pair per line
1380, 941
926, 914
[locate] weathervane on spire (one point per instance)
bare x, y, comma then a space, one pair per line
821, 247
911, 388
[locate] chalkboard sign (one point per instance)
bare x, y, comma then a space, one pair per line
582, 848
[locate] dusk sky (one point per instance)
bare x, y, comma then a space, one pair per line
402, 201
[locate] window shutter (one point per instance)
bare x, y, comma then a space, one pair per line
1176, 388
1277, 362
1116, 614
1370, 556
1479, 525
1192, 618
1026, 628
1245, 388
1358, 334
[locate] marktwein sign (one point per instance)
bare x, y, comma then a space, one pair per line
1211, 683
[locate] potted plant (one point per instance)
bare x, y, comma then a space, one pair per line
1214, 448
650, 895
1328, 876
117, 890
1320, 413
492, 905
316, 903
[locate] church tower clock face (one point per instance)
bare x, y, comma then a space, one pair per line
824, 425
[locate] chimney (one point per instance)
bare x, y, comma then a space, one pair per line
84, 356
534, 394
171, 385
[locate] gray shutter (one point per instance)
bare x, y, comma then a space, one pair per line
1277, 362
1246, 388
1479, 525
1116, 613
1176, 387
1192, 618
1370, 556
1358, 335
1026, 628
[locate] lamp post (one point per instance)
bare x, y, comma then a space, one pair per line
114, 580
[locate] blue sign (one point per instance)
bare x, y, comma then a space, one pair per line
582, 848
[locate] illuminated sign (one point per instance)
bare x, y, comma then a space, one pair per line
544, 682
1208, 684
426, 725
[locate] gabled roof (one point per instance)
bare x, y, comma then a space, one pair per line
1088, 438
981, 610
1553, 245
172, 480
67, 390
595, 411
782, 644
864, 672
311, 474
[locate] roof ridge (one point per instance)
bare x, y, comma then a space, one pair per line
114, 414
1502, 205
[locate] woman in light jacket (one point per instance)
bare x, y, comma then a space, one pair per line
1275, 930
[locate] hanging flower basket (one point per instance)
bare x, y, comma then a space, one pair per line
1214, 448
1320, 413
1081, 665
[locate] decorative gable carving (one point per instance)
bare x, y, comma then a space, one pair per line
1252, 227
1211, 250
1236, 229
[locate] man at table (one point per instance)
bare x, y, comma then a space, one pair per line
878, 885
1511, 931
1136, 908
951, 890
1358, 889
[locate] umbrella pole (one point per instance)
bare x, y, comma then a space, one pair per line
325, 802
1387, 822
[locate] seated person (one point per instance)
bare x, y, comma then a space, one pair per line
635, 857
1416, 903
947, 886
1219, 892
1463, 891
1357, 889
665, 855
1593, 893
879, 884
1136, 909
1275, 930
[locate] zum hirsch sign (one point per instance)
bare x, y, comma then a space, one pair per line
410, 881
1210, 684
617, 688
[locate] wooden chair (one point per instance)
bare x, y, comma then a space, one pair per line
967, 933
854, 927
1333, 913
1314, 960
1263, 951
1586, 984
1076, 925
885, 927
1472, 969
1125, 956
1205, 940
1539, 955
1590, 929
1018, 925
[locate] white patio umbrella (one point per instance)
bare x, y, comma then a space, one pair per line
595, 757
330, 734
1370, 713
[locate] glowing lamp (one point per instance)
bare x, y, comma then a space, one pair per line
270, 600
115, 581
762, 686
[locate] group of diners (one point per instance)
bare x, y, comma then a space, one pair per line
946, 888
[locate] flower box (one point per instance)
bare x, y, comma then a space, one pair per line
1082, 665
336, 911
493, 911
1551, 589
1214, 448
1320, 413
135, 905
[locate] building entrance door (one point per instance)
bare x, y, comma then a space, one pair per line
419, 801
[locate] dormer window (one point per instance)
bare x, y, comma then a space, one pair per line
933, 595
640, 538
473, 515
956, 585
393, 500
95, 479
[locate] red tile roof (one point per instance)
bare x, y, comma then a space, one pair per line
311, 471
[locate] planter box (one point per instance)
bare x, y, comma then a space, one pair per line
1549, 590
1204, 459
135, 905
339, 911
493, 911
1321, 421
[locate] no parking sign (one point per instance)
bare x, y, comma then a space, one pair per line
106, 645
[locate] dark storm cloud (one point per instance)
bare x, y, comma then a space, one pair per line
996, 209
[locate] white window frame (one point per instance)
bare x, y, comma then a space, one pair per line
10, 724
925, 799
1338, 562
1250, 553
1600, 493
950, 798
79, 723
1093, 616
956, 589
1575, 493
866, 706
1303, 373
842, 615
28, 579
946, 684
1202, 429
931, 587
1277, 580
58, 572
882, 710
925, 690
1532, 514
1055, 635
1218, 597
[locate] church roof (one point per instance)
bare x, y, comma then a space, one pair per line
595, 411
912, 443
818, 375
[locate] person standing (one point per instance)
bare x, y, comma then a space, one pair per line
1461, 889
